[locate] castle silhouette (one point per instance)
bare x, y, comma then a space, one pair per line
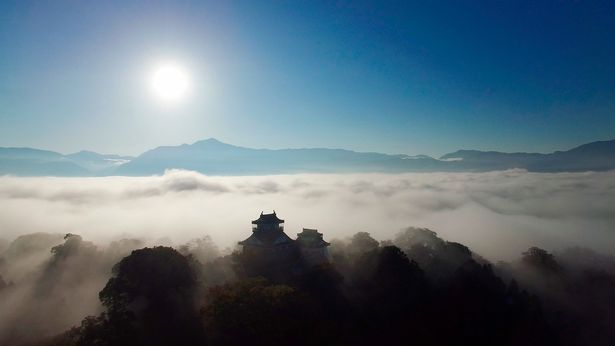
269, 242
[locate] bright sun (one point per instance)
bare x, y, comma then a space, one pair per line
170, 82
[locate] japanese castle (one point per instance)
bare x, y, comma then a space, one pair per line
268, 240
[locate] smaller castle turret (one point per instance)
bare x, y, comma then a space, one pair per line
312, 247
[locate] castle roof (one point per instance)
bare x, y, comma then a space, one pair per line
267, 233
267, 239
267, 218
311, 238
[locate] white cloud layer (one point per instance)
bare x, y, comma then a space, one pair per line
498, 214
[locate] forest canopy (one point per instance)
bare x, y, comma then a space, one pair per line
416, 287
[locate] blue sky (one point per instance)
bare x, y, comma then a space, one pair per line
397, 77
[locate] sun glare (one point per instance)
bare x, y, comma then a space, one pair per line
170, 82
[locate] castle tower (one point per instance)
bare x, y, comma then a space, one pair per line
268, 251
267, 236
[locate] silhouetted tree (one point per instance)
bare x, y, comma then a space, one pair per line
325, 287
362, 242
149, 301
478, 308
66, 261
439, 258
412, 236
255, 312
388, 289
541, 260
274, 266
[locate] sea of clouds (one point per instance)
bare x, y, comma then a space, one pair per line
497, 214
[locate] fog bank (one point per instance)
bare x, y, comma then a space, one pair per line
497, 214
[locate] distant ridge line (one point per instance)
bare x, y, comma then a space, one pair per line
211, 156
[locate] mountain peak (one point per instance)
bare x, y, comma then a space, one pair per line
212, 143
92, 155
598, 147
209, 141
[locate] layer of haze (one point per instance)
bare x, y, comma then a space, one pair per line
497, 214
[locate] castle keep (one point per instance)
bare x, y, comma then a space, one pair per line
269, 242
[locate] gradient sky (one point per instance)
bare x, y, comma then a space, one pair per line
398, 77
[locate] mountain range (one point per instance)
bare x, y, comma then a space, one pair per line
36, 162
213, 157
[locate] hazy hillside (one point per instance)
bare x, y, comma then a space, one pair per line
214, 157
35, 162
595, 156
